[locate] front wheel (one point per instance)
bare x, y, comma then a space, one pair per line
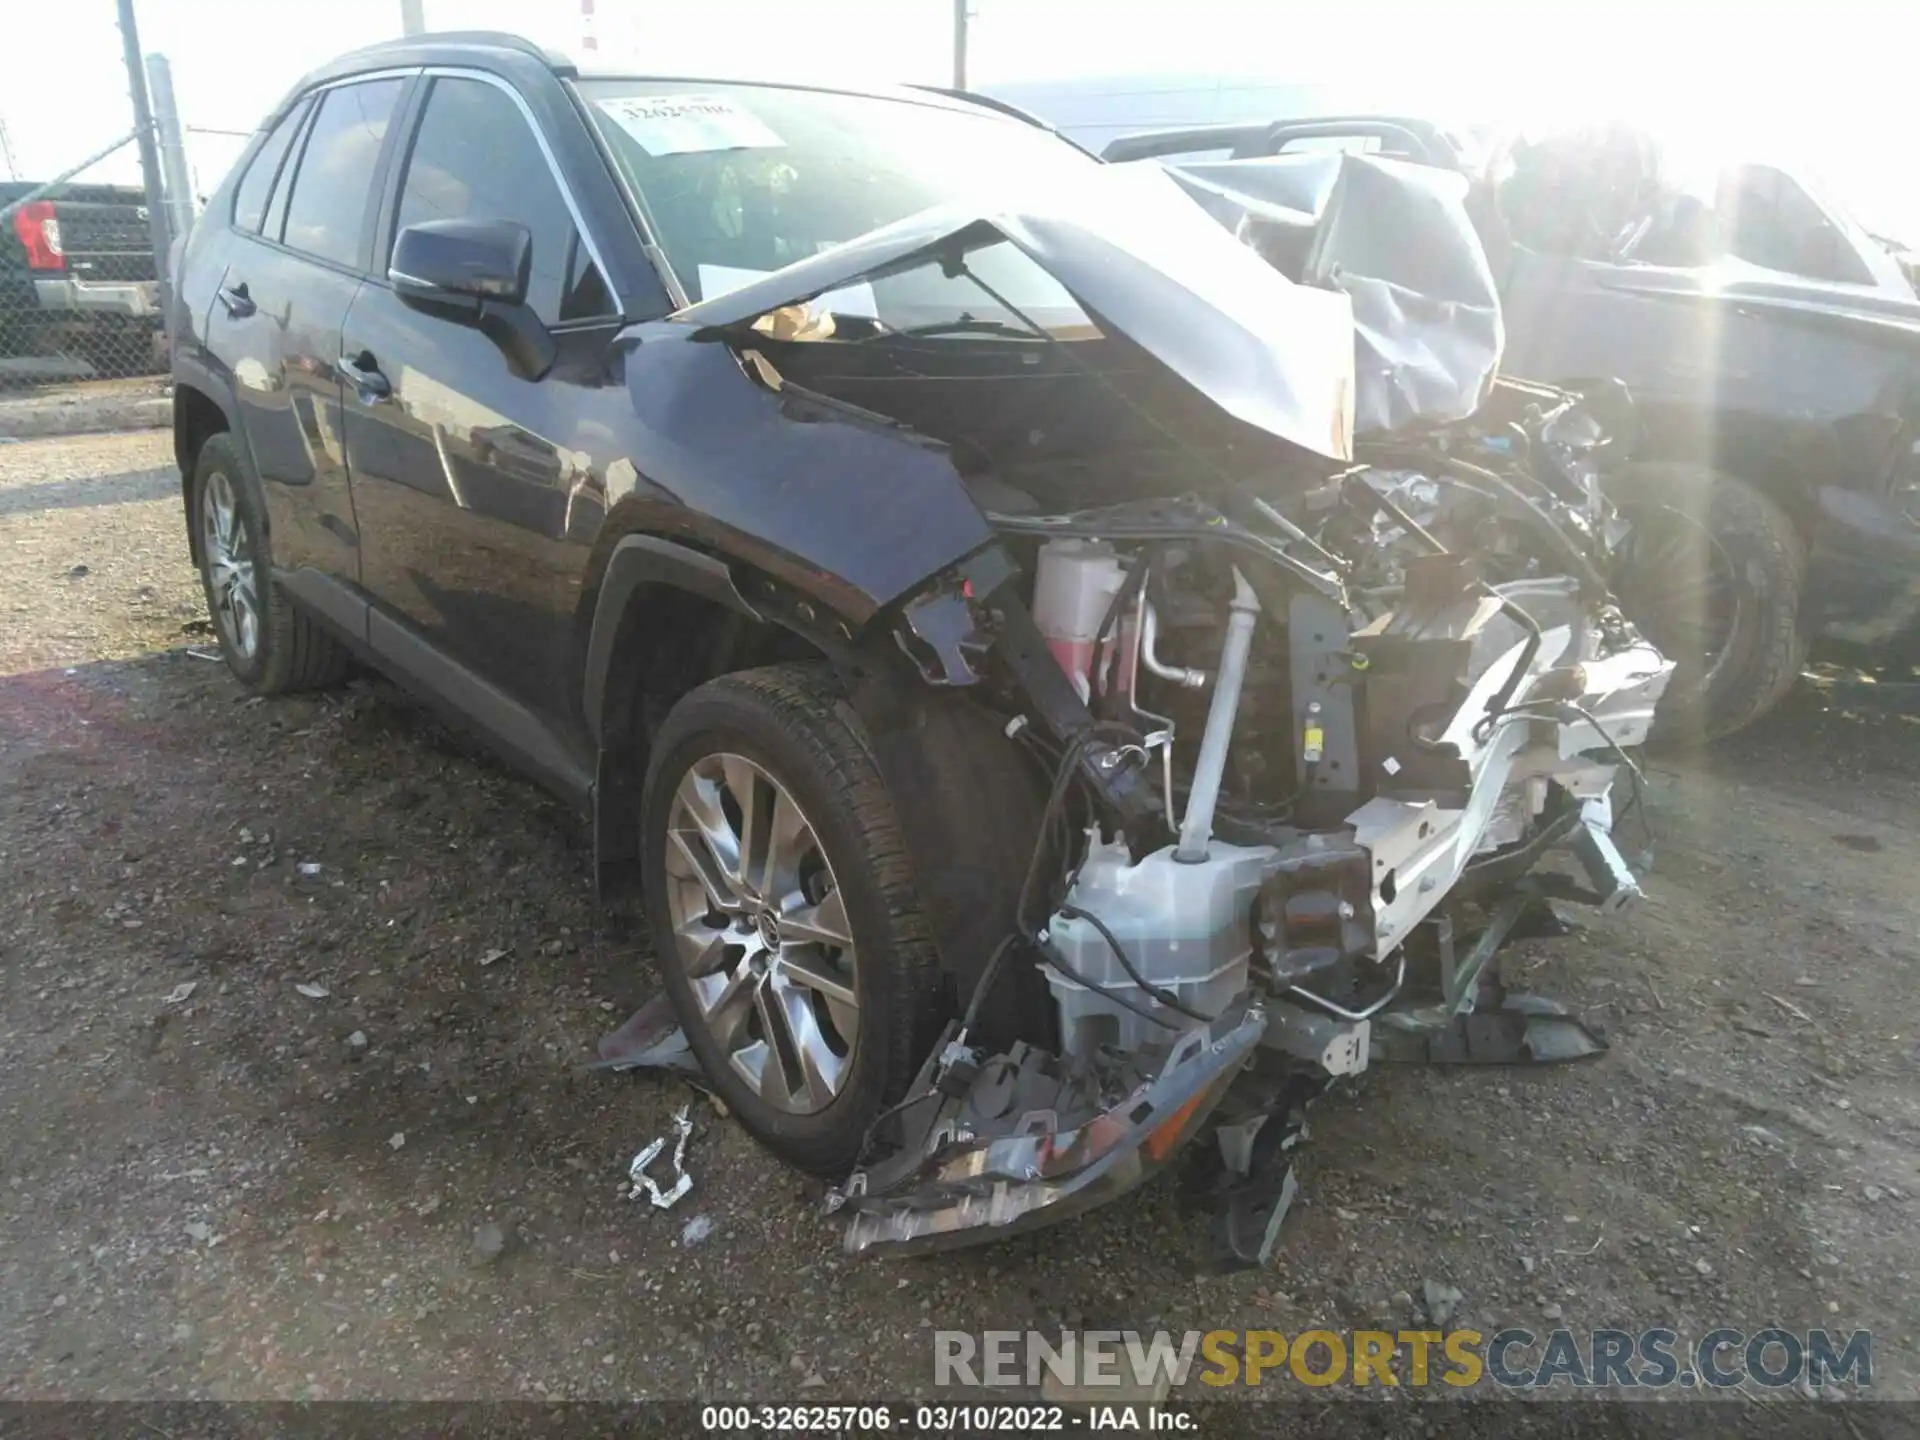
783, 911
1711, 571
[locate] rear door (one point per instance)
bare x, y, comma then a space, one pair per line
302, 219
475, 486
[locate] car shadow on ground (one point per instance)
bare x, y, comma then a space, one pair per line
84, 491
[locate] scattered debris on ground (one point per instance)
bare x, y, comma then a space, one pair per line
645, 1184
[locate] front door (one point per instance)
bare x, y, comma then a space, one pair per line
477, 487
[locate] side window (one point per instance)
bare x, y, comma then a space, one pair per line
250, 198
1772, 221
333, 186
475, 158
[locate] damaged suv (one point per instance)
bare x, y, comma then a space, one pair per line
943, 568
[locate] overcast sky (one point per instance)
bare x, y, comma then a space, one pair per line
1830, 79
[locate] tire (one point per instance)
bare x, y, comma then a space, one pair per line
793, 725
1690, 522
288, 650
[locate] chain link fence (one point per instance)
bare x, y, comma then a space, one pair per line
79, 282
82, 253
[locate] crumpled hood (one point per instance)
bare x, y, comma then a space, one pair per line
1397, 239
1144, 261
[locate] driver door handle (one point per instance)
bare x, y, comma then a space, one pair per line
367, 377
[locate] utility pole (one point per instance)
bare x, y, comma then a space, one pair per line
173, 148
959, 44
412, 20
157, 227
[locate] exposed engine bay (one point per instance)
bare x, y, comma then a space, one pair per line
1324, 755
1282, 720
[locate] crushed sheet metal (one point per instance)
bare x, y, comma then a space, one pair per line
1396, 239
645, 1184
651, 1039
1140, 257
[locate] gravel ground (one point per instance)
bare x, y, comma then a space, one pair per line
219, 1184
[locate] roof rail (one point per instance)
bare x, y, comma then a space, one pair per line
488, 39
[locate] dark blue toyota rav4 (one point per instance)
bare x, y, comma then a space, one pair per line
944, 570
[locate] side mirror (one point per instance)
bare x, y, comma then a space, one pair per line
454, 260
474, 272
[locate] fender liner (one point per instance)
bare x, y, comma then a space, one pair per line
646, 560
636, 560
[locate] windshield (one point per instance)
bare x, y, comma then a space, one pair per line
741, 180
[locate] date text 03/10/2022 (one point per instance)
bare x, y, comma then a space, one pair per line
944, 1419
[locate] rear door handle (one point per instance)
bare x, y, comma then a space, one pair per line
239, 304
372, 385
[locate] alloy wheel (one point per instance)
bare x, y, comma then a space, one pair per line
760, 926
227, 550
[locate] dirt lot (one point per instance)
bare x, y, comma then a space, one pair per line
251, 1192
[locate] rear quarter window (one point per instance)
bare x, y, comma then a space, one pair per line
256, 186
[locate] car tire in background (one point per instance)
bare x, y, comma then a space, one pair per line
270, 645
784, 913
1711, 571
119, 350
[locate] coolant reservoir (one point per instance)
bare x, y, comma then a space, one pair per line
1074, 586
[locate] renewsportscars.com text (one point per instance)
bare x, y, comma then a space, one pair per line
1657, 1358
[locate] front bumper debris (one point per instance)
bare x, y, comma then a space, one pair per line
983, 1166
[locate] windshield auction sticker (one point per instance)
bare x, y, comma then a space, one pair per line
688, 124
